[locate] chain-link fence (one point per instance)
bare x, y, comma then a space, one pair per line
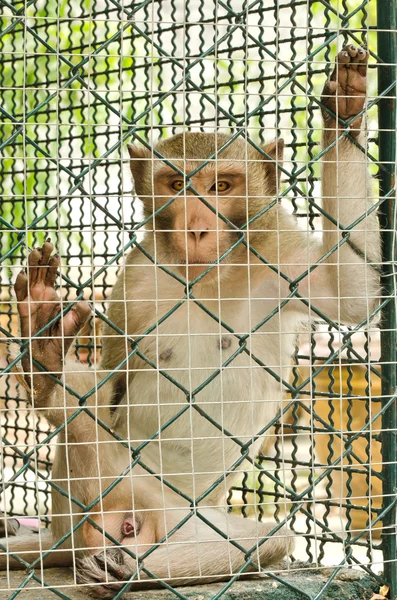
81, 79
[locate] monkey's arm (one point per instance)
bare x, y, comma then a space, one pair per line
38, 306
345, 286
346, 191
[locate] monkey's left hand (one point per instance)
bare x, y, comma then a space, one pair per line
344, 94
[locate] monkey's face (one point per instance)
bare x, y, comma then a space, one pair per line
194, 229
199, 228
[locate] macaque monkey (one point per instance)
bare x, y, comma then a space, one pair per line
188, 346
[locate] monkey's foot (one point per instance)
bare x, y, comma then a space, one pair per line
38, 305
8, 526
344, 94
106, 574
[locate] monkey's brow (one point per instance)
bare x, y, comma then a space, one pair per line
166, 173
227, 170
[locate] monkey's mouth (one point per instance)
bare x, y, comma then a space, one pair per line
193, 269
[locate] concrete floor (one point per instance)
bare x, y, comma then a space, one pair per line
348, 584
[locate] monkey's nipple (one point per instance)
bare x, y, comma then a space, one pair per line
224, 342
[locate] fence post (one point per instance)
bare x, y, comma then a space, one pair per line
387, 39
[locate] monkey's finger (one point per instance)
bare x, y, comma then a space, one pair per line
53, 265
362, 61
343, 57
339, 71
351, 49
21, 286
356, 60
46, 251
74, 320
33, 264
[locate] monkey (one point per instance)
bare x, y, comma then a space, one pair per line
228, 259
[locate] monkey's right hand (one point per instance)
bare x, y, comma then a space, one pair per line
38, 305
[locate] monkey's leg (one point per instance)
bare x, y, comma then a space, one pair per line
195, 553
84, 474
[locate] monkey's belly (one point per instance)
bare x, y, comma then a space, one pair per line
202, 422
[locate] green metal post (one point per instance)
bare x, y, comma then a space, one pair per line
387, 39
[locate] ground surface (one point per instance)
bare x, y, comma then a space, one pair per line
347, 585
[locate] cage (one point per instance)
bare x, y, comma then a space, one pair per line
80, 80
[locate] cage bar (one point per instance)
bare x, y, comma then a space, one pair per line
387, 44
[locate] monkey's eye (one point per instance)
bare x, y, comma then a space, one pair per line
178, 185
221, 186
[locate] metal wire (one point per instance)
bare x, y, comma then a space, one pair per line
78, 81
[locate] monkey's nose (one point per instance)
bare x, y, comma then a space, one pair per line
198, 235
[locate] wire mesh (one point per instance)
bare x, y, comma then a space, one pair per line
81, 79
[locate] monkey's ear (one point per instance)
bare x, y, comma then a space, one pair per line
136, 151
275, 150
137, 164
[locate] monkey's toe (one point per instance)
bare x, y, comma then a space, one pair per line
45, 255
352, 54
34, 259
113, 563
355, 52
105, 573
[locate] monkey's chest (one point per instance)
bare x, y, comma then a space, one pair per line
208, 377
